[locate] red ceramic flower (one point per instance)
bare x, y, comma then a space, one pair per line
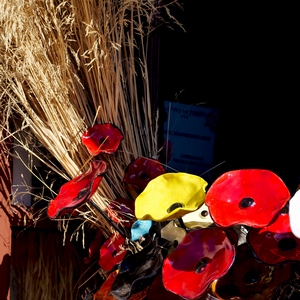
122, 211
275, 243
157, 288
104, 291
203, 256
78, 191
141, 171
112, 252
102, 138
250, 197
94, 249
250, 279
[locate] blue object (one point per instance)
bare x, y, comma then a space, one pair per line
140, 228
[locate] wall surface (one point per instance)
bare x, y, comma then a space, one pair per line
5, 229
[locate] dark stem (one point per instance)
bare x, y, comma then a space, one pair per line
181, 223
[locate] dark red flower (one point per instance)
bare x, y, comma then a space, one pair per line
102, 138
122, 211
203, 256
141, 171
77, 191
250, 197
250, 279
157, 288
94, 248
112, 252
275, 243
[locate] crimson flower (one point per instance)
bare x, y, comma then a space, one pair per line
141, 171
275, 243
121, 211
112, 252
104, 138
77, 191
250, 197
203, 256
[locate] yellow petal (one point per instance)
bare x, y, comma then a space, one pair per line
170, 196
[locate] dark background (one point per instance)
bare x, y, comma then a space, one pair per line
242, 58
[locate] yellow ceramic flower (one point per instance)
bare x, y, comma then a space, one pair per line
170, 196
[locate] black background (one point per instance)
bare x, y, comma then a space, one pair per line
242, 58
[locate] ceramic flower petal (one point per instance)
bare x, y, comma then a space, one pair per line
122, 211
250, 279
199, 218
78, 191
157, 288
141, 171
250, 197
104, 292
294, 214
112, 252
138, 270
173, 233
104, 138
275, 243
94, 249
140, 228
203, 256
170, 196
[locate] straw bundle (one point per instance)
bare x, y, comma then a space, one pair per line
66, 65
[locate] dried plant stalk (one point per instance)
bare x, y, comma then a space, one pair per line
68, 64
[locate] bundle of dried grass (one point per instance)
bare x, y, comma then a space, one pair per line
66, 65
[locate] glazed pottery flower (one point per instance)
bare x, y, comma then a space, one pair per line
138, 270
141, 171
250, 197
170, 196
294, 214
104, 292
250, 279
94, 248
157, 288
140, 228
275, 243
121, 211
104, 138
77, 191
199, 218
203, 256
173, 233
112, 252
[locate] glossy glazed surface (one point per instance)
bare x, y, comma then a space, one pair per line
141, 171
275, 243
294, 214
102, 138
77, 191
203, 256
112, 252
170, 196
251, 197
140, 228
